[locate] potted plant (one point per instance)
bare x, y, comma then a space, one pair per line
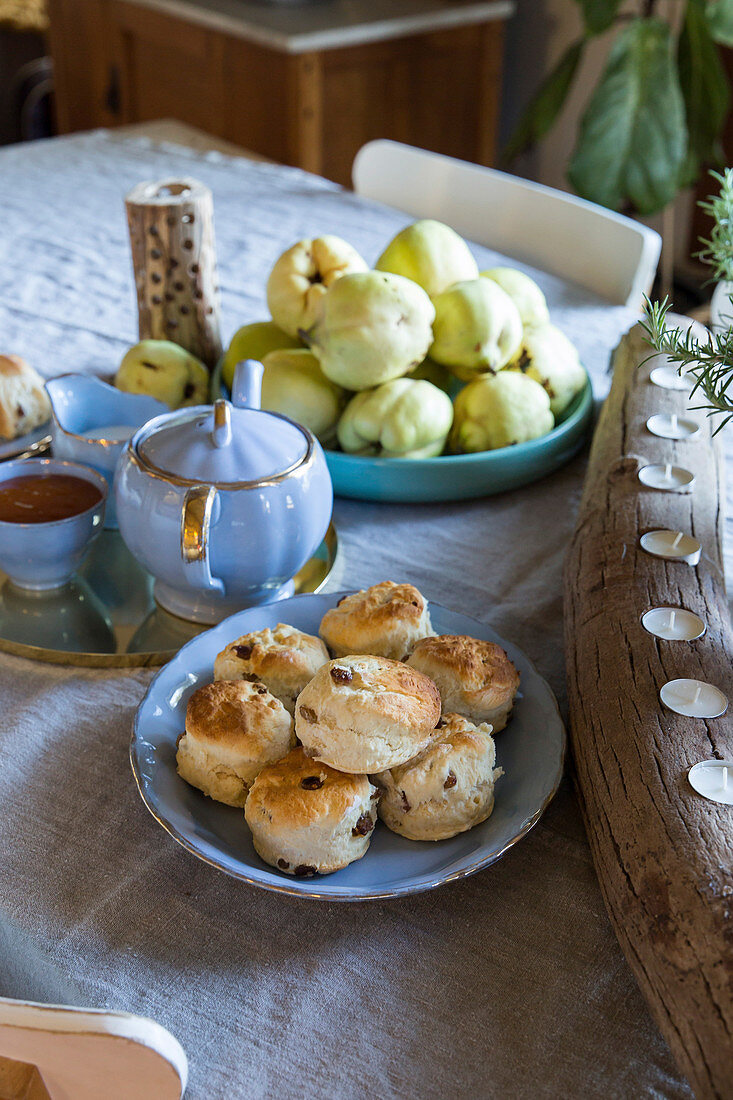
656, 114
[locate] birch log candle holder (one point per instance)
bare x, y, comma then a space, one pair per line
171, 225
662, 851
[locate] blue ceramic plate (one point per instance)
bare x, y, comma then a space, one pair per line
457, 477
530, 749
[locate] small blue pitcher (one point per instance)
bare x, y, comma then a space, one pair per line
92, 421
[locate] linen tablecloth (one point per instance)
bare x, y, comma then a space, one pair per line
507, 984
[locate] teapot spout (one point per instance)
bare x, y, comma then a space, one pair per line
247, 384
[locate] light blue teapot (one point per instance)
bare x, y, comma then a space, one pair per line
223, 504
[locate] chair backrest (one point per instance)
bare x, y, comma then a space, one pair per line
61, 1053
610, 254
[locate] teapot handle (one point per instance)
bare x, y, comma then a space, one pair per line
247, 384
195, 523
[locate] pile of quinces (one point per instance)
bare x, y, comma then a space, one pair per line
371, 359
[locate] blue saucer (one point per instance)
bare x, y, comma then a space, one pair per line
531, 751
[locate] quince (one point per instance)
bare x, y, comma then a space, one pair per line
477, 327
254, 341
548, 357
524, 292
164, 370
405, 418
431, 254
294, 384
372, 327
301, 277
499, 410
437, 375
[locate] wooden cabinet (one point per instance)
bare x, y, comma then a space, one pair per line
119, 62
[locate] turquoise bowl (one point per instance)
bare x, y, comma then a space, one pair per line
462, 477
459, 477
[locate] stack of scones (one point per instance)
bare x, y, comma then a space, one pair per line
398, 724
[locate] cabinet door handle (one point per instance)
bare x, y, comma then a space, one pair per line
112, 97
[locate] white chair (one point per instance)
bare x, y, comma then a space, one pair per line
605, 252
51, 1052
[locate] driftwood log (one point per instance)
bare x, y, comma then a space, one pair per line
171, 225
663, 854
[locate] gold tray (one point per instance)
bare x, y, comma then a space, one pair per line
106, 616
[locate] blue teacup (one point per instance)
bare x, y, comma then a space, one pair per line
92, 421
46, 555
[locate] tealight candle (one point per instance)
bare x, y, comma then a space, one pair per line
672, 544
713, 779
672, 426
669, 378
669, 478
673, 624
693, 698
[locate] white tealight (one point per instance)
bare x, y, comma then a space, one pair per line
672, 426
713, 779
669, 478
669, 379
673, 545
694, 698
673, 624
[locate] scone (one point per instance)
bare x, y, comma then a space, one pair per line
445, 790
386, 620
365, 714
24, 403
474, 678
283, 659
233, 729
307, 818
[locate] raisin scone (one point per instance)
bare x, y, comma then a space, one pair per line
365, 714
475, 678
307, 818
283, 659
233, 729
24, 403
386, 620
445, 790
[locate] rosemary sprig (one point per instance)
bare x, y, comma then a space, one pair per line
709, 361
717, 252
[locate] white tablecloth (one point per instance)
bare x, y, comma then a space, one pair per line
510, 983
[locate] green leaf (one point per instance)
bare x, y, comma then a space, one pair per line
599, 14
719, 17
705, 91
545, 106
632, 139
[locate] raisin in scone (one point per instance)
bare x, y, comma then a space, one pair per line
365, 714
386, 620
307, 818
24, 403
445, 790
233, 729
283, 659
475, 678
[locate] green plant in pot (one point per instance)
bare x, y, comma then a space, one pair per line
654, 118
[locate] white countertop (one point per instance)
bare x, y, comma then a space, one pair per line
298, 27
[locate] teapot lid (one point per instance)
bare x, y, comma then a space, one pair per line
227, 444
